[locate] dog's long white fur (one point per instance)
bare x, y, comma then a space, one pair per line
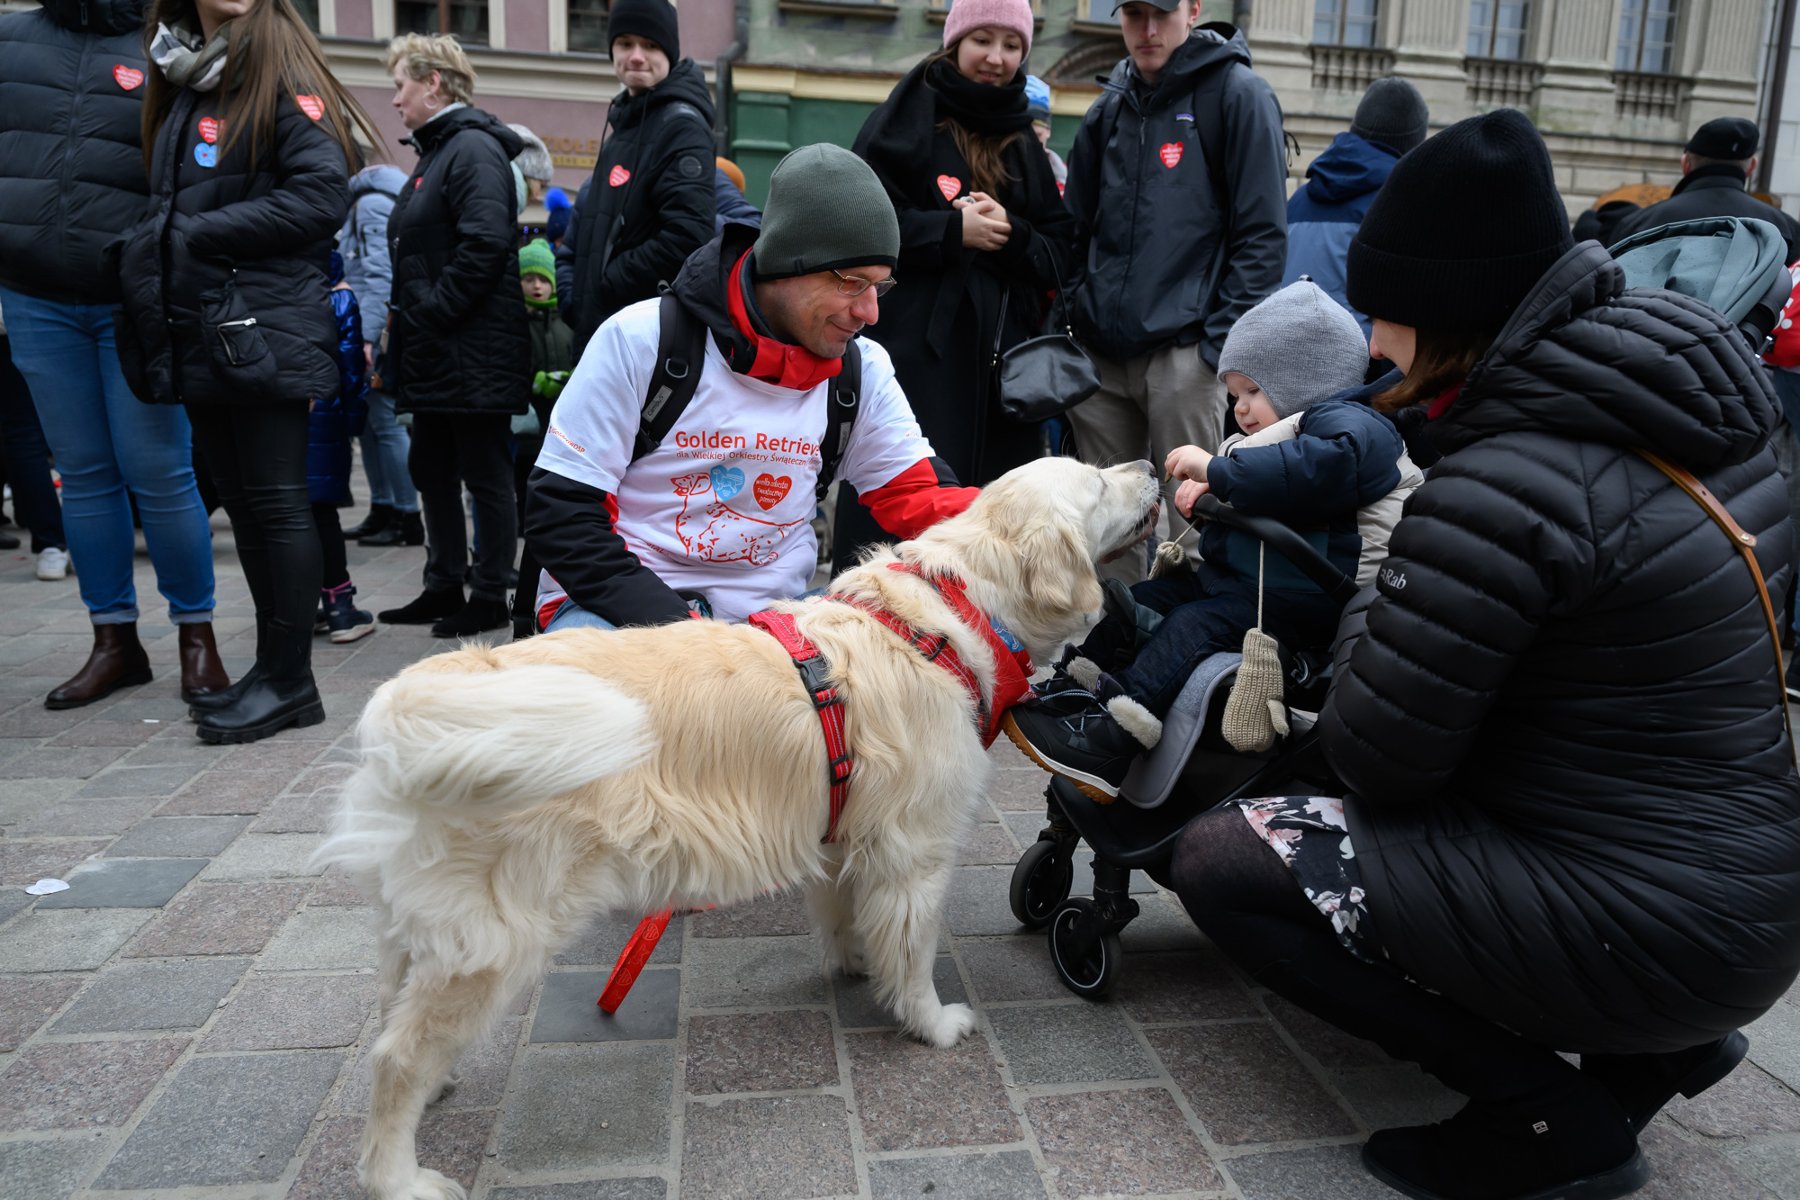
506, 795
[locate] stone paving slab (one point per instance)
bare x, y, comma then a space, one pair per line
215, 1044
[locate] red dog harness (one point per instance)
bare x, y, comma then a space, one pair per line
1012, 671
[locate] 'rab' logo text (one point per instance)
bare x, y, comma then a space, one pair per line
1394, 579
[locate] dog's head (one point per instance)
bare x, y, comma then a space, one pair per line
1029, 544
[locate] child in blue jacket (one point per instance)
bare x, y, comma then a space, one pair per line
1333, 469
330, 426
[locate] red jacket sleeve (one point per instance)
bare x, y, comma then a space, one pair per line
918, 498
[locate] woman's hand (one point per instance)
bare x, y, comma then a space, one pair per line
1187, 462
980, 230
1190, 491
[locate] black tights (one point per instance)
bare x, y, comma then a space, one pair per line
336, 566
1243, 897
257, 457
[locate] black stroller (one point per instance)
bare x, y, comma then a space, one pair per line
1734, 265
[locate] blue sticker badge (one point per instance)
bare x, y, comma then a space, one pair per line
205, 155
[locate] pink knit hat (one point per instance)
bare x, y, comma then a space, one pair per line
966, 15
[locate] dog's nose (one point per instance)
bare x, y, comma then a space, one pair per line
1143, 464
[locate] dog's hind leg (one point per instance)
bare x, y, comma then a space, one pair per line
427, 1026
898, 920
833, 915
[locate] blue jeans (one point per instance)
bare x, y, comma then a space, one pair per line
27, 460
384, 446
572, 616
106, 441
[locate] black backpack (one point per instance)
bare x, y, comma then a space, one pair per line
680, 353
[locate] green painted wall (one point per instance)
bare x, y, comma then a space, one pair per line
764, 127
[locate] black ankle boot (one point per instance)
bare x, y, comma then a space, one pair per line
379, 518
433, 604
1566, 1143
264, 708
477, 616
225, 697
406, 529
1643, 1083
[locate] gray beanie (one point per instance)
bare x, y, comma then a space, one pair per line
1299, 345
826, 211
1393, 113
534, 160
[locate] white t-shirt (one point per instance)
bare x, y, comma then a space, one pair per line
724, 506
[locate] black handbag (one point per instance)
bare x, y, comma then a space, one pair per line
1045, 376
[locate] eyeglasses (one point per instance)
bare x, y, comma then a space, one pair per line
856, 285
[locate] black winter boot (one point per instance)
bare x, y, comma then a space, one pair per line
477, 616
379, 518
433, 604
1562, 1143
1643, 1083
407, 529
283, 696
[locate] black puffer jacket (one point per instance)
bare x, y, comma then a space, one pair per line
648, 205
459, 343
1575, 804
225, 294
71, 162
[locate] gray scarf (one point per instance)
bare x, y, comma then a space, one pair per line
186, 60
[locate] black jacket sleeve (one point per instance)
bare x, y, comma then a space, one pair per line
566, 299
681, 196
568, 526
308, 204
1081, 194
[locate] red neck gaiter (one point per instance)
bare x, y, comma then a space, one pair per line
1444, 400
775, 362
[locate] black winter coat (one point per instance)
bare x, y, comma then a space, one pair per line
1715, 190
458, 342
71, 157
940, 324
1574, 797
1162, 263
225, 292
648, 205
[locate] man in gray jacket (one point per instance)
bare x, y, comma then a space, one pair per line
1178, 183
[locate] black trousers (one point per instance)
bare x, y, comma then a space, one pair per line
257, 458
335, 567
451, 451
1244, 898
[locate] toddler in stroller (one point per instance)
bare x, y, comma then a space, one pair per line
1332, 470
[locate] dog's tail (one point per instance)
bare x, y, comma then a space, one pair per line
447, 748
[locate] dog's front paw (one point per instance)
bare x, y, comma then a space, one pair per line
425, 1184
952, 1024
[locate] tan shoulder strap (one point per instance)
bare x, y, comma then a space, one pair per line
1744, 540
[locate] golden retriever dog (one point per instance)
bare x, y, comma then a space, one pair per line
508, 794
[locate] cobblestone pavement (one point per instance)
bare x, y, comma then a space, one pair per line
191, 1019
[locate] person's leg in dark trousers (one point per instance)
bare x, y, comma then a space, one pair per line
1245, 899
524, 607
27, 458
483, 447
431, 460
257, 456
338, 615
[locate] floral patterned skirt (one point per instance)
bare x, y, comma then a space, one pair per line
1310, 835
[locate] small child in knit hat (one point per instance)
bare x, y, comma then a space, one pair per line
1331, 467
552, 358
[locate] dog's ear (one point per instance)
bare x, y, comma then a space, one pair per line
1058, 567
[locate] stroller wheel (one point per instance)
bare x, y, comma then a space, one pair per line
1040, 882
1086, 953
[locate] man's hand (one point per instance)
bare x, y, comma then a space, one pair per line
1187, 462
1190, 491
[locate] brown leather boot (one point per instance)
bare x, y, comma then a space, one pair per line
117, 660
202, 674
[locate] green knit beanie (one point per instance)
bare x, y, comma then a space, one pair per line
536, 258
826, 211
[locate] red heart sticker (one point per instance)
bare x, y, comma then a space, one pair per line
618, 176
950, 185
312, 106
417, 182
209, 130
1170, 152
127, 77
770, 491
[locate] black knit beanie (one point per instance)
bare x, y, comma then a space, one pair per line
1465, 225
653, 19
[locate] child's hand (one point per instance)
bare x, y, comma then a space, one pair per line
1187, 462
1190, 491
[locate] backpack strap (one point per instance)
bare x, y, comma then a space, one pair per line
840, 415
680, 353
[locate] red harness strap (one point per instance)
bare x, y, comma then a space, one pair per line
814, 672
1012, 671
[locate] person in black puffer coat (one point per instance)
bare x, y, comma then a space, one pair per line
227, 308
1573, 817
649, 203
72, 180
981, 246
459, 349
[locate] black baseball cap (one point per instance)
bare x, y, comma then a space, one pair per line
1165, 5
1729, 138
